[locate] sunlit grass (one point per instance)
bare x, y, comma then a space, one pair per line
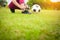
36, 26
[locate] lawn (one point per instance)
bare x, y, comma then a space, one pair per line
44, 25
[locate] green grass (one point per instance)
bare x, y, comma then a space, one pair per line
36, 26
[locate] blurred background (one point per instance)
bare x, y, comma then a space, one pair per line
45, 4
44, 25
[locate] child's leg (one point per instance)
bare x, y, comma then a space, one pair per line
12, 10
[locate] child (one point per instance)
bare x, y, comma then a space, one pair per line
17, 4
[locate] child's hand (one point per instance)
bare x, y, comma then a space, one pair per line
22, 6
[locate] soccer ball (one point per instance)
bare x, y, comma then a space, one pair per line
36, 8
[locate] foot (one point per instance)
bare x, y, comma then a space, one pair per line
26, 12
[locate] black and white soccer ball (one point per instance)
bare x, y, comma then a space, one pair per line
36, 8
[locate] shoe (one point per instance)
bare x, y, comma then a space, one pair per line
26, 12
